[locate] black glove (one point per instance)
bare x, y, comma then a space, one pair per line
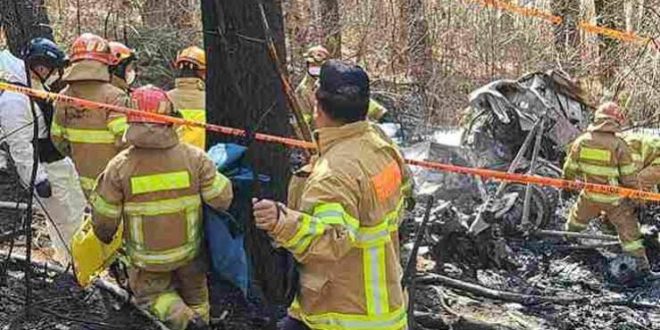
43, 189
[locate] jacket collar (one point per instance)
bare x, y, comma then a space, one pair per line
151, 136
87, 70
605, 126
119, 83
329, 136
190, 83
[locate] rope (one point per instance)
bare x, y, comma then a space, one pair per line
484, 173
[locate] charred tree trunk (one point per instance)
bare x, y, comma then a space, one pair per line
610, 14
23, 20
330, 23
243, 89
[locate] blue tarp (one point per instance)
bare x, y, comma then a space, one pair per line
224, 234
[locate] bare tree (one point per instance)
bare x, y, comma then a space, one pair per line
566, 34
417, 33
178, 14
23, 20
610, 13
331, 26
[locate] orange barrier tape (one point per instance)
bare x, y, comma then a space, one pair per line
556, 20
86, 104
485, 173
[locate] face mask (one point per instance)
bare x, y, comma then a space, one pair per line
314, 71
130, 77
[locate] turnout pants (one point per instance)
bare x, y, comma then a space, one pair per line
649, 178
174, 297
622, 217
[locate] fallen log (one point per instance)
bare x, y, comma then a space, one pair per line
525, 299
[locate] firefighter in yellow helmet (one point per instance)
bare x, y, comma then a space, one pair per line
123, 70
314, 59
90, 137
158, 186
600, 156
189, 94
343, 227
646, 154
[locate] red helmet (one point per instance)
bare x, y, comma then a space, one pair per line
610, 111
150, 99
89, 46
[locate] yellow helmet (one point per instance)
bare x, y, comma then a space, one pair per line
317, 55
191, 55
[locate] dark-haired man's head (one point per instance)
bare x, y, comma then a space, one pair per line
343, 94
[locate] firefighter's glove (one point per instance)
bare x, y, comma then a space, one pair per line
267, 213
44, 189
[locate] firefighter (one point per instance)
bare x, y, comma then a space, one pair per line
600, 156
646, 154
343, 228
314, 59
90, 137
56, 182
158, 186
123, 70
189, 94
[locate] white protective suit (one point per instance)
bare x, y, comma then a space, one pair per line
67, 203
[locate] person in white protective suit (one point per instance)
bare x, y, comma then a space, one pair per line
57, 187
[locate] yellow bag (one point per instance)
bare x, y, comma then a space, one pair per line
90, 255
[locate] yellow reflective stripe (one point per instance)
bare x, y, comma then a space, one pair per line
118, 125
193, 114
88, 136
56, 129
105, 208
602, 198
334, 214
141, 256
159, 182
599, 170
375, 280
395, 320
632, 246
220, 183
629, 169
163, 305
393, 217
595, 154
308, 228
87, 183
163, 206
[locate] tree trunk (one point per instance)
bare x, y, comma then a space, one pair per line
243, 89
610, 14
331, 26
417, 33
23, 20
566, 34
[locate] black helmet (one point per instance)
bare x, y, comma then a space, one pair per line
42, 51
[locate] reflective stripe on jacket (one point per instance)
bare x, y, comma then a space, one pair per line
600, 156
189, 98
345, 233
90, 137
157, 186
